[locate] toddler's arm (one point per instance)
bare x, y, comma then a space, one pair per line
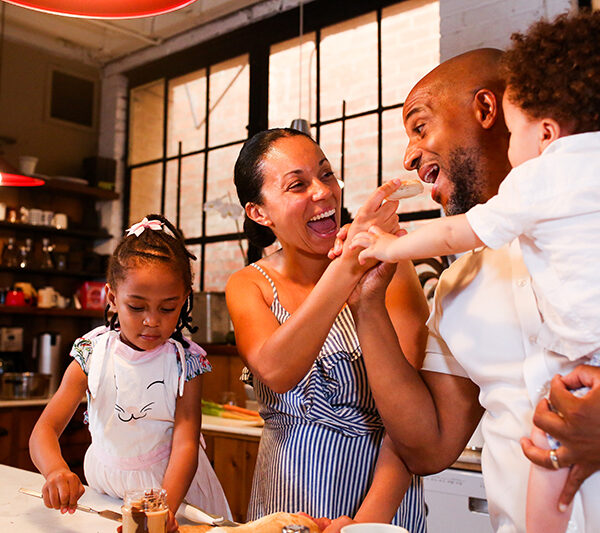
543, 490
448, 235
62, 488
183, 461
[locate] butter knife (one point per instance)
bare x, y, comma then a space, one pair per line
111, 515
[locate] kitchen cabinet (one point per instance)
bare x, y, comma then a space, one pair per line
225, 376
233, 457
76, 242
16, 425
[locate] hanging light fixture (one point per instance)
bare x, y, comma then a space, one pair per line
11, 177
103, 9
300, 124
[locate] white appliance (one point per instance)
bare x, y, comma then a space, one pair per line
456, 502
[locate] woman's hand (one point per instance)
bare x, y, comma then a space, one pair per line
62, 490
336, 525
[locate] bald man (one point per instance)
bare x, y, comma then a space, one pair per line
481, 355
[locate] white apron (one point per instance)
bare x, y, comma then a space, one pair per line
131, 409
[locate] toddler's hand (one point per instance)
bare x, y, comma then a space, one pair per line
376, 244
62, 490
172, 525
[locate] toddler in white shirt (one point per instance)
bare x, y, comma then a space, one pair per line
550, 201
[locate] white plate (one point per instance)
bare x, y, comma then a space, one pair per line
80, 181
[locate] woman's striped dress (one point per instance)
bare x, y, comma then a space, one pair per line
321, 439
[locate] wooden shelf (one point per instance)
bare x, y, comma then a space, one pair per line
54, 272
53, 311
79, 189
49, 230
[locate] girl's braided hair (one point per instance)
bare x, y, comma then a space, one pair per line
153, 245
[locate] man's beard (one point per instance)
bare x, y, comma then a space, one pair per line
465, 173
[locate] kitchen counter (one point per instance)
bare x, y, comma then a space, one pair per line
228, 425
22, 513
26, 514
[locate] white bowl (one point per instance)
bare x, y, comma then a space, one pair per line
373, 528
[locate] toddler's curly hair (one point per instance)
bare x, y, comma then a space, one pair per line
553, 70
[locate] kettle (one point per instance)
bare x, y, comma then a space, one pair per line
46, 349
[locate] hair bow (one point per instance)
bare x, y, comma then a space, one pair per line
138, 228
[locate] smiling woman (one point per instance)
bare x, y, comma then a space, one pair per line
300, 344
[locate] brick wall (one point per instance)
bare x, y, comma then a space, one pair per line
466, 24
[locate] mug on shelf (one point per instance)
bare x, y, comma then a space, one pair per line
47, 217
60, 221
47, 297
35, 216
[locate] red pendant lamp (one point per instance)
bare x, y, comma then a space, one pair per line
11, 177
103, 9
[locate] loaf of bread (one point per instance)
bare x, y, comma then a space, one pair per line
407, 189
272, 523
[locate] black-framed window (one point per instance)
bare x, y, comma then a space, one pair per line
190, 113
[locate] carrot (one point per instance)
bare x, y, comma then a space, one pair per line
236, 409
239, 416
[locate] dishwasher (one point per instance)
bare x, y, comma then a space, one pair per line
456, 503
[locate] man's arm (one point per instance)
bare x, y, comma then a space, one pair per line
575, 422
429, 416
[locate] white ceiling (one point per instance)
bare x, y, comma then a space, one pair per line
99, 42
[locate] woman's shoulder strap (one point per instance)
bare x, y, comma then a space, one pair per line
271, 282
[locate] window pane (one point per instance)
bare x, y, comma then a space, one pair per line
146, 122
195, 249
284, 81
410, 46
228, 104
222, 259
187, 113
360, 158
394, 146
349, 66
221, 193
190, 215
146, 183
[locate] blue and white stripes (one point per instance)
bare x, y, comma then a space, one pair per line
322, 438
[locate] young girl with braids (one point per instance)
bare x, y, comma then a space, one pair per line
143, 382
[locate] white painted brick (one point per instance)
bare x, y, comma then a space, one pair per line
466, 24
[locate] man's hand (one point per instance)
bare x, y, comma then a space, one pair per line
377, 244
575, 422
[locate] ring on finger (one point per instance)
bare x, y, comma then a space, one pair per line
554, 459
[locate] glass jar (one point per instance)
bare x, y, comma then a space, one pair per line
25, 254
47, 248
10, 254
145, 511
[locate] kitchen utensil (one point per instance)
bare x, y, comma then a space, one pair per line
46, 349
15, 297
111, 515
24, 385
191, 512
